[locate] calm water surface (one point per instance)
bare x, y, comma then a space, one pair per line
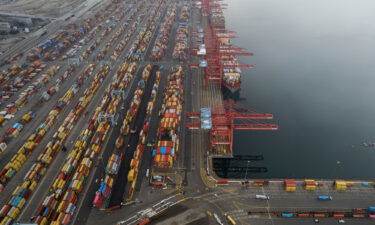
315, 71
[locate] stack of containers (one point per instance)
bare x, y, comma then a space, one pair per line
340, 185
310, 185
179, 51
22, 79
162, 39
104, 191
113, 164
37, 171
121, 46
105, 33
134, 105
169, 126
106, 184
82, 171
143, 38
79, 162
92, 138
217, 18
134, 163
290, 185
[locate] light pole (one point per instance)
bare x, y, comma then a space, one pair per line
247, 166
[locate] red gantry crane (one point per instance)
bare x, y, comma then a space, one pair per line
222, 121
219, 54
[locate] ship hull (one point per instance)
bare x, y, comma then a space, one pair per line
230, 93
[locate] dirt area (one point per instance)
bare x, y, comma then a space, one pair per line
47, 8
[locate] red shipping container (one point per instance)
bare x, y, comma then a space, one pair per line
67, 218
222, 181
338, 215
40, 210
4, 210
358, 215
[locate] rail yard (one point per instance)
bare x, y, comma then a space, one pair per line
115, 118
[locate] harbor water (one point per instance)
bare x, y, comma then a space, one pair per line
315, 72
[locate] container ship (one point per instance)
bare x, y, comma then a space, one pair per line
231, 74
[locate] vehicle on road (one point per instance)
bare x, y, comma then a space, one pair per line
265, 197
341, 221
324, 197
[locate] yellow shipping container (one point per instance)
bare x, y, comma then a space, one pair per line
44, 221
42, 132
310, 187
56, 146
15, 133
29, 145
340, 185
16, 166
21, 203
16, 190
26, 117
290, 188
33, 185
31, 138
55, 183
25, 184
131, 175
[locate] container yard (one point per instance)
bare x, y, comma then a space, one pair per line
117, 117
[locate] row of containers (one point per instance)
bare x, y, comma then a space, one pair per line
106, 185
169, 126
355, 213
290, 185
24, 74
59, 206
181, 46
63, 134
25, 96
162, 38
36, 137
101, 53
52, 42
32, 178
27, 71
13, 166
132, 29
108, 28
138, 49
137, 156
114, 162
79, 162
309, 184
60, 42
16, 77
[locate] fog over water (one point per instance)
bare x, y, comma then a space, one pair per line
315, 71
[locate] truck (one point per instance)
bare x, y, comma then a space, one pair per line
265, 197
324, 197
